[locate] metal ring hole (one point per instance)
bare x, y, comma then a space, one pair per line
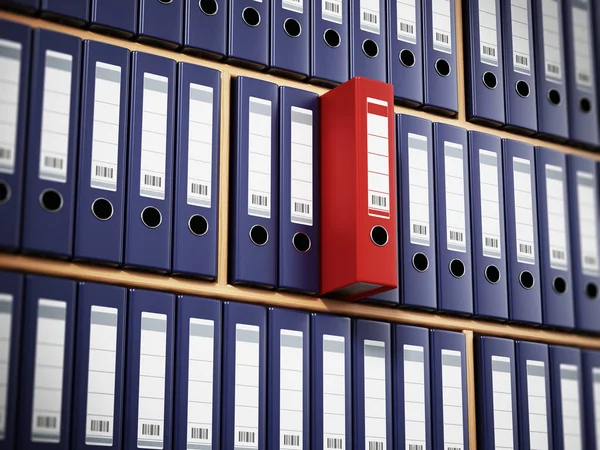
591, 290
259, 235
492, 274
526, 279
442, 67
554, 97
489, 80
208, 7
102, 209
457, 268
51, 200
5, 192
379, 235
559, 284
301, 242
332, 38
522, 88
198, 225
251, 17
585, 104
370, 48
407, 58
151, 217
420, 262
292, 28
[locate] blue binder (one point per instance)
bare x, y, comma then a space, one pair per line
197, 413
331, 383
248, 40
148, 225
244, 401
448, 375
44, 411
15, 53
584, 216
195, 219
27, 6
554, 231
100, 207
254, 195
299, 184
522, 249
439, 56
533, 384
289, 380
289, 35
99, 367
453, 219
149, 373
205, 28
484, 64
591, 399
160, 22
49, 202
368, 32
119, 17
74, 12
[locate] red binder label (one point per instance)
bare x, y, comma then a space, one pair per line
378, 158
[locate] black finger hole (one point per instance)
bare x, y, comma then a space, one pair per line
379, 235
151, 217
4, 193
559, 284
457, 268
585, 105
522, 88
490, 80
301, 242
292, 27
332, 38
198, 225
251, 17
407, 58
554, 97
208, 7
526, 279
51, 200
591, 290
370, 48
420, 262
442, 67
259, 235
492, 274
102, 209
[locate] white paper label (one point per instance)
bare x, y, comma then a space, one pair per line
406, 19
10, 80
151, 401
582, 46
596, 388
490, 203
502, 399
557, 217
247, 363
442, 26
331, 11
334, 393
536, 405
56, 114
259, 158
520, 36
588, 232
418, 190
455, 197
154, 136
415, 425
452, 399
374, 389
291, 424
101, 376
48, 376
569, 401
369, 16
488, 32
200, 384
6, 302
378, 158
293, 5
552, 41
200, 145
302, 166
523, 210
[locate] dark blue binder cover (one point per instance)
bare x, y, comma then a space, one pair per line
197, 397
253, 227
205, 28
119, 17
99, 367
331, 382
149, 373
100, 206
148, 225
591, 399
49, 202
46, 374
289, 35
74, 12
288, 378
244, 399
15, 54
27, 6
248, 40
161, 22
195, 219
368, 33
555, 249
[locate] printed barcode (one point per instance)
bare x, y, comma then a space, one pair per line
407, 27
442, 37
150, 430
333, 7
246, 436
559, 254
334, 443
54, 163
415, 446
526, 248
583, 77
523, 60
5, 153
589, 260
104, 172
420, 229
199, 433
45, 422
490, 51
457, 236
378, 200
293, 440
369, 17
260, 200
200, 189
301, 208
552, 68
492, 242
453, 448
101, 426
152, 180
375, 445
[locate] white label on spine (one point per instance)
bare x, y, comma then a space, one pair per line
155, 105
105, 134
291, 356
569, 402
452, 397
10, 79
582, 46
334, 392
6, 302
442, 26
490, 203
552, 41
378, 158
455, 197
488, 32
56, 114
101, 376
523, 210
596, 392
374, 389
502, 402
49, 366
537, 405
151, 401
200, 145
557, 217
302, 166
200, 384
331, 10
293, 5
369, 16
259, 158
247, 361
588, 226
406, 18
418, 189
415, 425
520, 36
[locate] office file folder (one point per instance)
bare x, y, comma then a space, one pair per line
248, 33
591, 399
197, 413
49, 201
453, 219
300, 193
288, 368
15, 55
98, 381
118, 17
205, 28
74, 12
490, 291
148, 222
368, 36
160, 22
554, 232
149, 374
289, 34
244, 401
331, 382
100, 206
254, 175
358, 182
46, 374
195, 218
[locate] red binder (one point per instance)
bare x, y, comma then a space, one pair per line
358, 183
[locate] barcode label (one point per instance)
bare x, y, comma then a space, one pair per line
553, 69
406, 20
442, 37
418, 189
199, 189
150, 429
378, 158
442, 25
489, 51
293, 5
369, 16
334, 392
378, 200
152, 181
553, 59
457, 236
104, 172
519, 18
6, 307
526, 248
420, 229
47, 422
415, 447
455, 197
291, 440
488, 32
331, 11
334, 443
246, 437
301, 192
259, 200
523, 212
259, 157
374, 380
587, 204
492, 242
537, 405
199, 433
490, 203
10, 87
53, 162
557, 216
100, 426
582, 44
5, 153
247, 369
291, 403
376, 445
